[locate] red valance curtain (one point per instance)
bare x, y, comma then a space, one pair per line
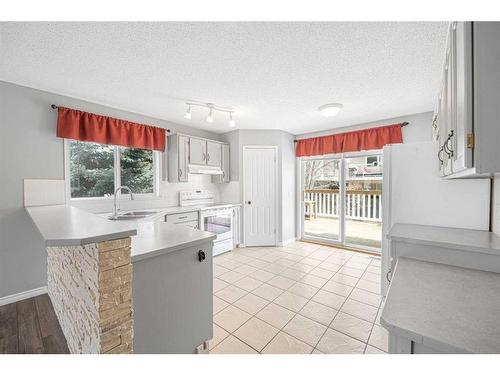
368, 139
84, 126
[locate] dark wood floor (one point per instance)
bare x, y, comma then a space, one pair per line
31, 326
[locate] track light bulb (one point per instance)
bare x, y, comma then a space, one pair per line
232, 123
210, 117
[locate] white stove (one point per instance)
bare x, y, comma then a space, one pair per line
216, 218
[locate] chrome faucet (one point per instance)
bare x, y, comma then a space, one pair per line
118, 190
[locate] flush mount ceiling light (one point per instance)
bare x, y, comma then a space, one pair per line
330, 110
211, 108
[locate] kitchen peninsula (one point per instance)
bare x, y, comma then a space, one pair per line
127, 286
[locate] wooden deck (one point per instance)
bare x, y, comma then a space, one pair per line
362, 233
30, 326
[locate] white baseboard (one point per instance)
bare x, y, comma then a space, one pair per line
287, 242
22, 295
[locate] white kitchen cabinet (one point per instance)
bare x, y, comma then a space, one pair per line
237, 227
173, 304
197, 151
468, 111
214, 153
462, 154
178, 157
226, 172
188, 154
225, 166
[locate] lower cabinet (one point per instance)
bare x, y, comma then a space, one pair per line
237, 227
172, 297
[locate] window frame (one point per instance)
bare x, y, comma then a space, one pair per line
117, 175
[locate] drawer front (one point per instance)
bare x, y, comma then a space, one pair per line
181, 218
192, 224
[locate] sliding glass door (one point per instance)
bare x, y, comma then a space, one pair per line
322, 199
342, 200
363, 201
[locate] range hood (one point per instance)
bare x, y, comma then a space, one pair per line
204, 169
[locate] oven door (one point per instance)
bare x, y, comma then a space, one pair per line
219, 223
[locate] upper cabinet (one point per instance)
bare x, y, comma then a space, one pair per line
214, 153
197, 151
178, 157
468, 110
225, 163
224, 177
196, 155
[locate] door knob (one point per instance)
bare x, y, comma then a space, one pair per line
249, 202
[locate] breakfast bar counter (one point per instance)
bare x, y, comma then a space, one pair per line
124, 286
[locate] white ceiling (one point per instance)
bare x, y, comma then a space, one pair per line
274, 74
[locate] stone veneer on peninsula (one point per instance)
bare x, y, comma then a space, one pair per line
89, 277
91, 289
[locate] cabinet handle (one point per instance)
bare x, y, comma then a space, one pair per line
439, 155
180, 172
203, 156
447, 149
208, 157
387, 275
201, 255
182, 217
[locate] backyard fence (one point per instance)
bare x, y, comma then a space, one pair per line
360, 204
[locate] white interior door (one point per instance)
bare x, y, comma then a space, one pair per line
259, 195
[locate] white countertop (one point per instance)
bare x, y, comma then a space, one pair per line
450, 309
159, 237
454, 238
162, 211
62, 225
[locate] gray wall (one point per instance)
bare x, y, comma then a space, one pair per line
29, 149
289, 195
419, 130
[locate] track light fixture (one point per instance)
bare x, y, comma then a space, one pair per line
211, 108
232, 123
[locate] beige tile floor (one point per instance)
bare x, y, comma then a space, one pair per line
302, 298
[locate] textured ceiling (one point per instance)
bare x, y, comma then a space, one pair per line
274, 74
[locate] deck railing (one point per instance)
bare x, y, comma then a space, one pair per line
360, 204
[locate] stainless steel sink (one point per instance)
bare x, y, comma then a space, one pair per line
133, 215
139, 213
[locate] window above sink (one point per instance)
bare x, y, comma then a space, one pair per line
94, 170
